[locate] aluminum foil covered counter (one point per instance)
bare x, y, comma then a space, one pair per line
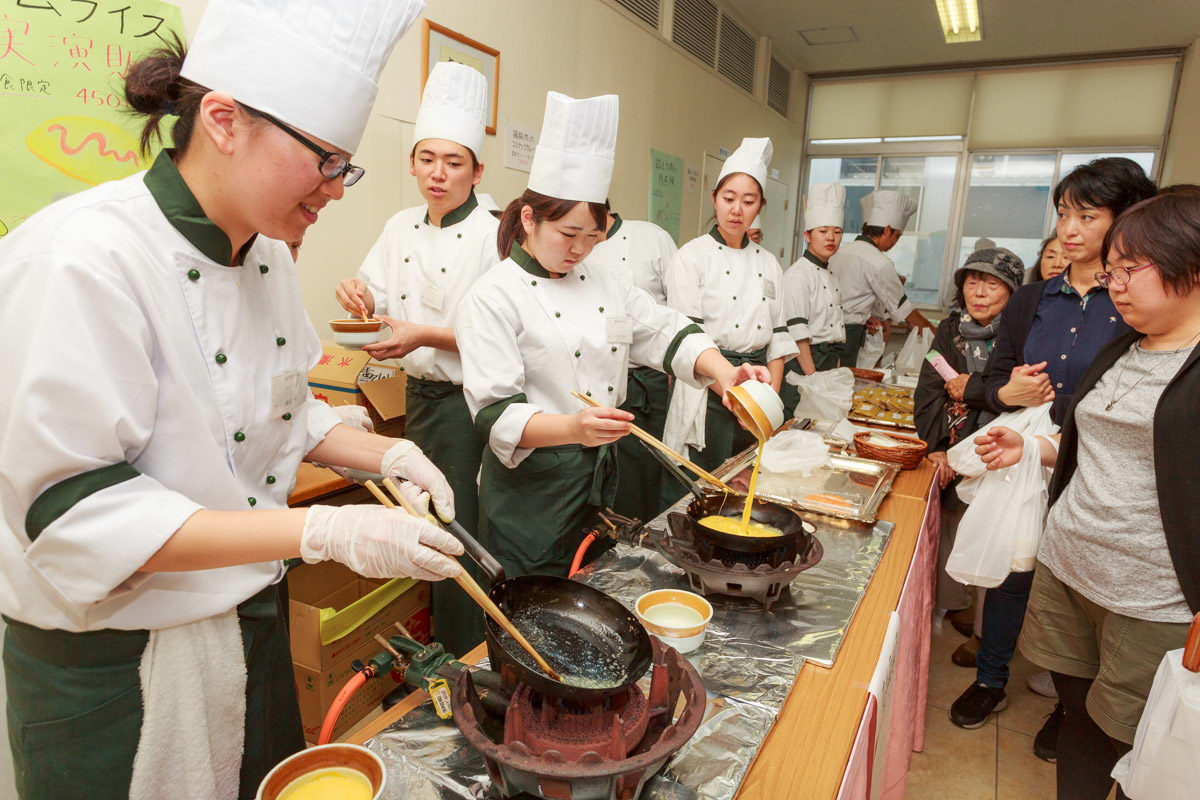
749, 660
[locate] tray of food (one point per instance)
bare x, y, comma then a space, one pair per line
883, 404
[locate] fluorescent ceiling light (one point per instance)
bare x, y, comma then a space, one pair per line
960, 20
949, 138
865, 140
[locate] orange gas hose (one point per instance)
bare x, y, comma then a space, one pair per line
579, 554
340, 701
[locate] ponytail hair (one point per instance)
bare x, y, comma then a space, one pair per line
154, 89
545, 209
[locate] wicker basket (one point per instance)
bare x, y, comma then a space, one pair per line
867, 374
908, 457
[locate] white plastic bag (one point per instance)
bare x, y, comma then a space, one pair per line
1009, 507
824, 395
795, 451
1163, 763
1031, 421
912, 354
871, 350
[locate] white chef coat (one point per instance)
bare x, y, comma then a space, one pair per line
640, 252
528, 341
420, 273
146, 382
734, 294
866, 277
812, 303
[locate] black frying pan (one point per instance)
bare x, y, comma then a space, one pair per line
597, 645
726, 504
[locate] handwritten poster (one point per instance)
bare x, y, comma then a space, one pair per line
666, 191
520, 146
62, 66
691, 178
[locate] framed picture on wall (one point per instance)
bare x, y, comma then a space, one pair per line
442, 44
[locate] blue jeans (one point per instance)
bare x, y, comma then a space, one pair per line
1003, 615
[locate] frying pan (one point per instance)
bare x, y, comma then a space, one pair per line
597, 645
728, 504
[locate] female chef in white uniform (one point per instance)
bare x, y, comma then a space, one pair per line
543, 324
157, 352
733, 289
413, 279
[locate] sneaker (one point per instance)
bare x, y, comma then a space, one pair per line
964, 654
976, 704
1040, 683
1045, 744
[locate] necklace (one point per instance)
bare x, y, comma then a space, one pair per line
1129, 357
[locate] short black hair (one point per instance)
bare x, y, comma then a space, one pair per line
1115, 183
873, 231
1164, 230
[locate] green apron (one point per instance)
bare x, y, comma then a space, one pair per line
75, 704
438, 421
855, 336
825, 356
532, 518
640, 486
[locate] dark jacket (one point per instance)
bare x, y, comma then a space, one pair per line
1176, 446
930, 396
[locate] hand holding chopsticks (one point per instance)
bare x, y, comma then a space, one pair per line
465, 580
657, 445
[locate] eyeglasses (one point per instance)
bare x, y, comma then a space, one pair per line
1119, 276
332, 165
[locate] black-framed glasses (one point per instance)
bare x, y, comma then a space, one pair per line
1119, 275
332, 165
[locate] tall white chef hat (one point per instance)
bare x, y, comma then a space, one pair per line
453, 106
825, 206
752, 157
886, 207
574, 156
314, 64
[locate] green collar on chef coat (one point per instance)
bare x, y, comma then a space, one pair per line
616, 226
527, 262
716, 234
458, 214
822, 264
183, 211
868, 240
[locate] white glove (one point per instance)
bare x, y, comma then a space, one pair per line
406, 461
356, 417
379, 542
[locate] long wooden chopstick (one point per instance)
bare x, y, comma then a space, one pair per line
657, 445
465, 580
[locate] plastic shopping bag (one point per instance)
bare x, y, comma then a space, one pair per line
795, 451
1163, 764
824, 395
1031, 421
871, 350
912, 354
1009, 507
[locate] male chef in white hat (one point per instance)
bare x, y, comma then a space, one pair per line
146, 461
812, 302
414, 278
867, 278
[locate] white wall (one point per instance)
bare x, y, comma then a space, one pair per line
1181, 160
668, 102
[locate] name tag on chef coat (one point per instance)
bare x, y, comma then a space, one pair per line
620, 330
769, 289
432, 296
289, 390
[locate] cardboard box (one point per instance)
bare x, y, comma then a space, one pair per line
334, 615
350, 377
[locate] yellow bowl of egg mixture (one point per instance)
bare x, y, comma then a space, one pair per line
676, 617
326, 772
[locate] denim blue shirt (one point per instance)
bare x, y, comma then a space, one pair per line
1068, 331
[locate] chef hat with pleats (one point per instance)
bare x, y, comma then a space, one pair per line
752, 157
453, 106
486, 202
314, 64
886, 207
574, 155
825, 206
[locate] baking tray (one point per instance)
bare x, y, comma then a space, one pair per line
883, 423
862, 483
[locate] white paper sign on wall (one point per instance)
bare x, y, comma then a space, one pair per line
520, 142
691, 177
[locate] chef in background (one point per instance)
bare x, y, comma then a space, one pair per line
146, 455
414, 278
867, 278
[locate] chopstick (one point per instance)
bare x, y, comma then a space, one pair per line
657, 445
465, 580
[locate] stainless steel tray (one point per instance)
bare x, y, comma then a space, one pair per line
861, 483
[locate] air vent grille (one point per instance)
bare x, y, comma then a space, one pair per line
736, 54
645, 10
695, 29
779, 87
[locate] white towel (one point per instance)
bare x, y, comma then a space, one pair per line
194, 712
685, 417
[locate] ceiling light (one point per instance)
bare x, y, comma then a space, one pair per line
960, 20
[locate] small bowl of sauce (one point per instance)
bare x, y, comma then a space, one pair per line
676, 617
355, 332
326, 772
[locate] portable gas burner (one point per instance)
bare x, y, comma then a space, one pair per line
564, 751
